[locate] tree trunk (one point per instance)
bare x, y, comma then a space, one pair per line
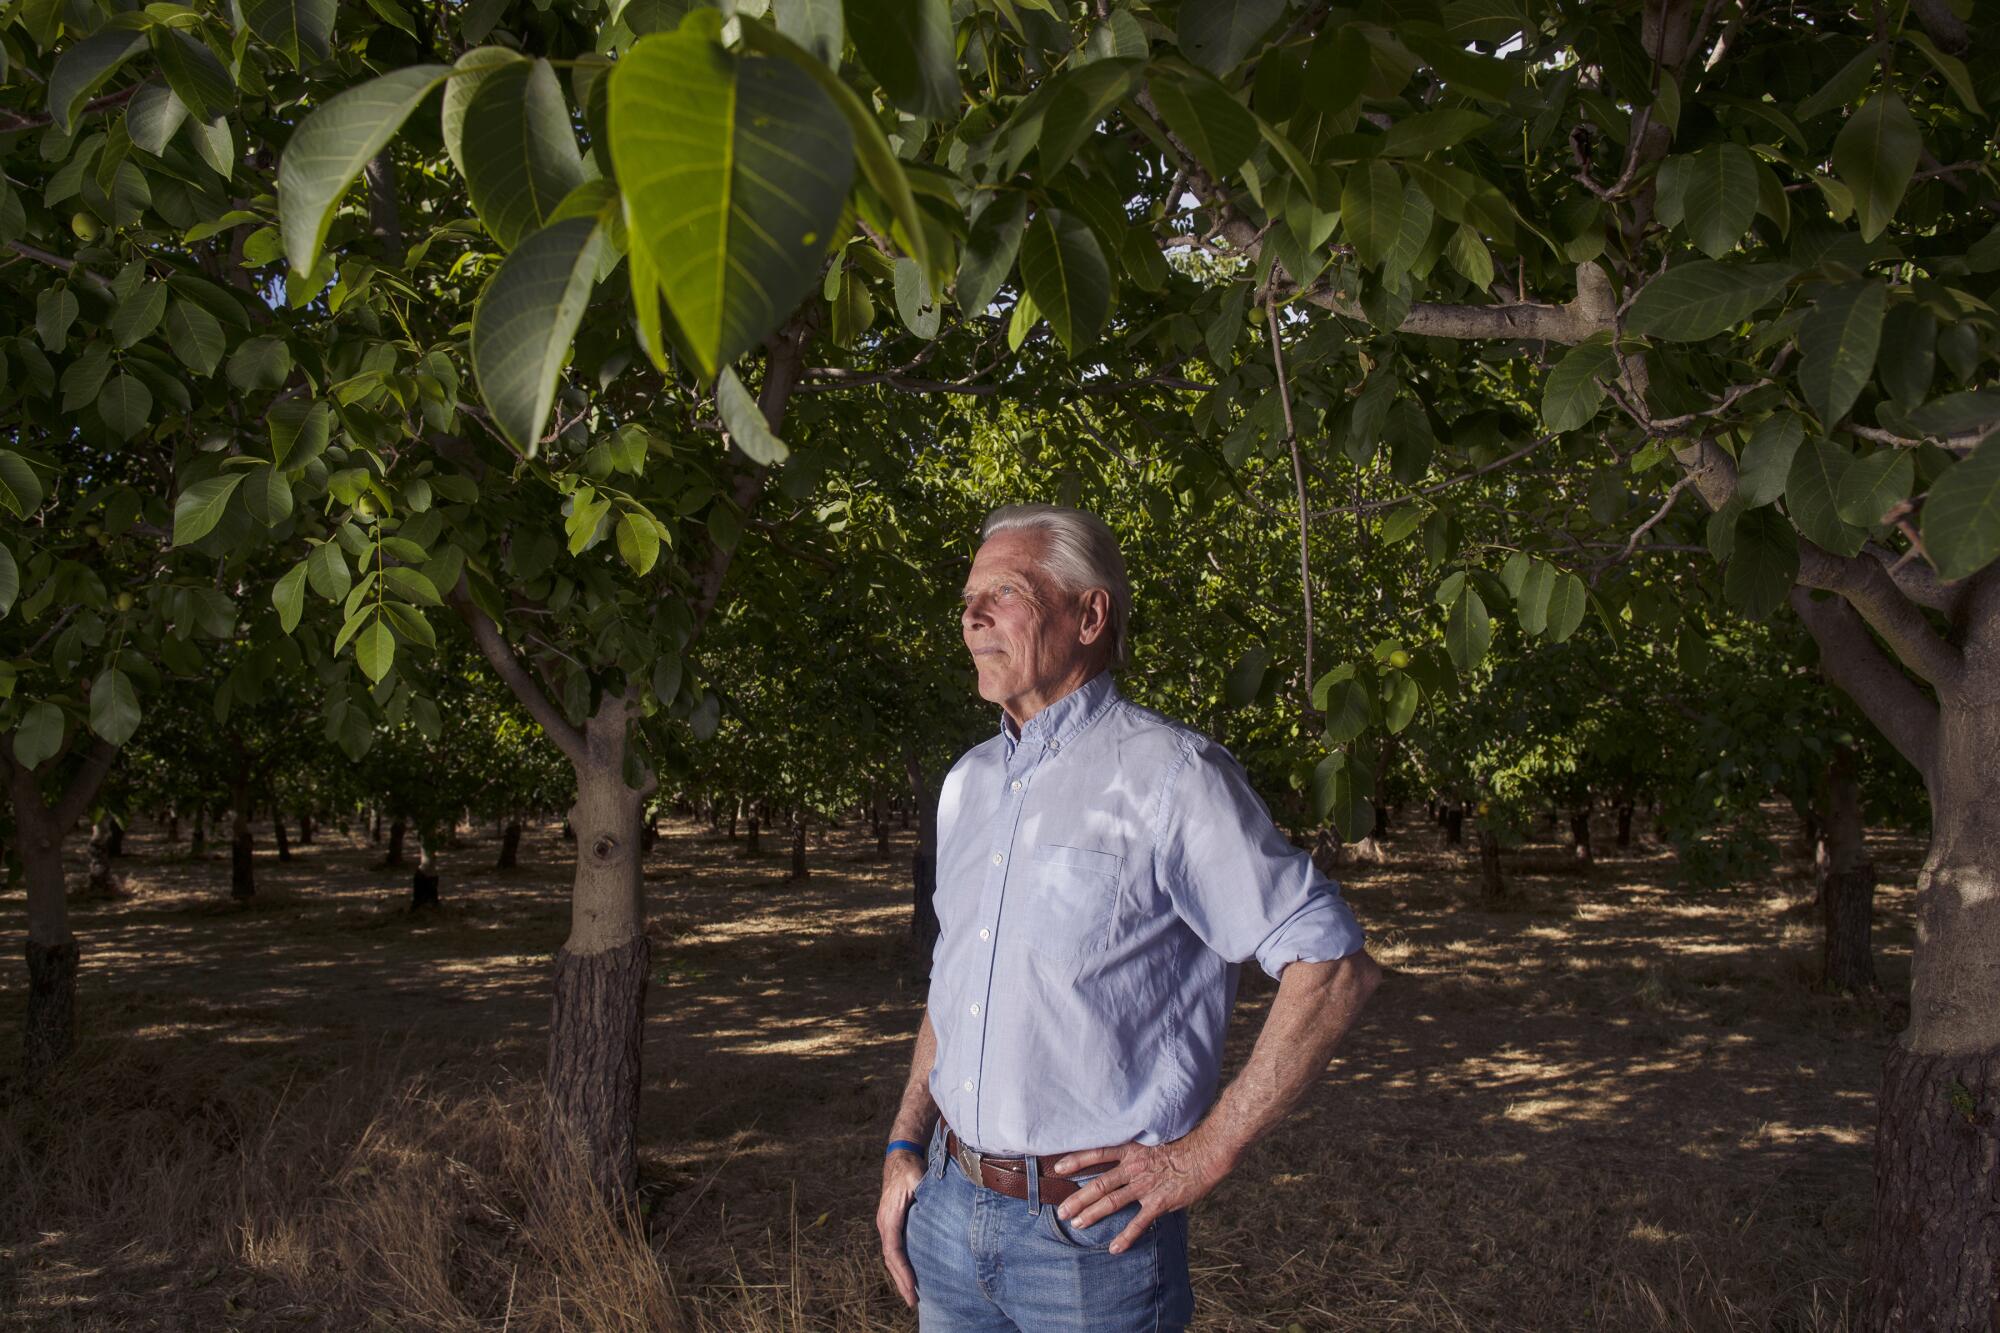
198, 843
375, 827
1625, 824
735, 812
753, 846
1579, 834
100, 883
1492, 884
1935, 1244
878, 820
114, 841
510, 845
306, 828
600, 974
799, 869
1381, 822
279, 835
242, 875
1847, 879
424, 883
173, 828
48, 1025
923, 863
1454, 825
398, 829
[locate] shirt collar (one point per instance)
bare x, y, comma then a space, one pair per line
1055, 725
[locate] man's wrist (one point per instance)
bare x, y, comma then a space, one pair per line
903, 1145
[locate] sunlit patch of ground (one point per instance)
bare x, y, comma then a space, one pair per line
1613, 1105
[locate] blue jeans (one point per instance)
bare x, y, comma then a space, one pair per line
987, 1262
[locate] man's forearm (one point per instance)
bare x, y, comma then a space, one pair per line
1316, 1005
917, 1113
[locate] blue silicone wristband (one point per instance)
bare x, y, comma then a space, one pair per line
906, 1145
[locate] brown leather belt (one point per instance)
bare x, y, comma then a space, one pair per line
1007, 1175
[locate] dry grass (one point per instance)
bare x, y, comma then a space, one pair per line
1610, 1106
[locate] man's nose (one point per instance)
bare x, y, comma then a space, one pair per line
974, 615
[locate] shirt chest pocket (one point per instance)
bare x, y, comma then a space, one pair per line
1071, 893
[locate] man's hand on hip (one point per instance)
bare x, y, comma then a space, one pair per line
1160, 1179
901, 1174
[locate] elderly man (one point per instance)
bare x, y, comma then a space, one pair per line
1102, 872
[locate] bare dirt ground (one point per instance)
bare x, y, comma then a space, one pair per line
1617, 1104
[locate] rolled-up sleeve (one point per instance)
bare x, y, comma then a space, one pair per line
1236, 880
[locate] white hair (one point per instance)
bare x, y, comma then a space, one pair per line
1080, 553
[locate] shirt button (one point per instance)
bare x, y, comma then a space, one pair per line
1015, 785
975, 1011
997, 858
985, 934
1054, 746
968, 1085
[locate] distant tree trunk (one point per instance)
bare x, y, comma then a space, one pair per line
735, 813
1454, 825
510, 845
306, 828
568, 830
1492, 884
375, 827
923, 862
1625, 824
1579, 834
173, 828
198, 843
424, 883
881, 817
1847, 879
114, 841
753, 846
799, 869
398, 828
903, 815
278, 835
242, 875
651, 833
100, 883
48, 1027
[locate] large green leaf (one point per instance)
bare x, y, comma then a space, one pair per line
468, 74
1874, 485
745, 422
1468, 629
1875, 156
1078, 99
519, 155
1572, 393
1065, 273
198, 78
199, 508
1763, 562
124, 403
1371, 210
20, 489
908, 46
1217, 34
1962, 513
153, 116
1719, 197
1217, 129
1701, 299
301, 29
990, 249
815, 25
114, 706
38, 735
330, 147
525, 319
10, 579
1839, 338
82, 68
733, 171
1568, 600
1348, 710
1767, 459
1815, 479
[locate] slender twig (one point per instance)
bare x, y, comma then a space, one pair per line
1298, 480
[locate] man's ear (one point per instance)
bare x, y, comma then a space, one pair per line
1095, 614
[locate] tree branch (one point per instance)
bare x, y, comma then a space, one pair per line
1903, 713
511, 669
1866, 584
1918, 581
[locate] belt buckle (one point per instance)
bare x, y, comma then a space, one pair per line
969, 1163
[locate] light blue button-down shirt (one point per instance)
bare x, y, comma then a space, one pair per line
1100, 879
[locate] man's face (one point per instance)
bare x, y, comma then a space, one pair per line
1030, 639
